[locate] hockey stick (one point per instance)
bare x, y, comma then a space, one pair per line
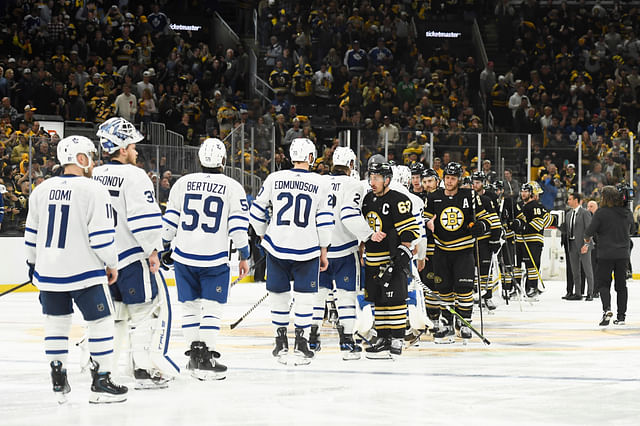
19, 286
451, 310
246, 314
514, 281
533, 261
475, 243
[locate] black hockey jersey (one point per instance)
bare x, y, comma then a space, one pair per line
452, 216
536, 218
490, 202
392, 215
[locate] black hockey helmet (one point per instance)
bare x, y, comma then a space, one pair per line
375, 158
416, 168
466, 181
392, 163
430, 173
527, 187
453, 169
478, 176
383, 169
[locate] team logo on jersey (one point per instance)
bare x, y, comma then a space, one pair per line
375, 222
437, 279
430, 275
451, 218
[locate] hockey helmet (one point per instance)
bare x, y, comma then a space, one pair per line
498, 184
453, 169
344, 156
375, 158
300, 149
417, 168
402, 175
71, 146
383, 169
212, 153
430, 173
532, 186
466, 181
478, 176
116, 133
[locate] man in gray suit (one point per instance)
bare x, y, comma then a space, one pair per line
578, 219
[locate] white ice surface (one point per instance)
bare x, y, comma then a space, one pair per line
549, 364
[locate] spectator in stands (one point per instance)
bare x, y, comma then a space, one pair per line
145, 84
294, 132
126, 104
7, 109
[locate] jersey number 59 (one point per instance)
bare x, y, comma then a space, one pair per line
211, 207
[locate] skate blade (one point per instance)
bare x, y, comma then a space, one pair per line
207, 376
299, 358
379, 355
103, 398
350, 356
61, 397
150, 384
445, 340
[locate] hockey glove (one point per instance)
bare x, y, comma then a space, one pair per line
32, 268
518, 226
165, 256
402, 259
478, 228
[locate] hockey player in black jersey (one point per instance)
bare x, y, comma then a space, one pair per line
505, 211
450, 214
531, 219
430, 183
387, 260
489, 242
416, 187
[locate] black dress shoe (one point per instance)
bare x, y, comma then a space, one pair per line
589, 298
574, 297
566, 296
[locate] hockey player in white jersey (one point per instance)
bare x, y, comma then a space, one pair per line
138, 240
293, 215
69, 238
203, 211
344, 262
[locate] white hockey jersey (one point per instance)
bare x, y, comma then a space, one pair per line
350, 225
69, 234
203, 211
293, 213
138, 216
417, 206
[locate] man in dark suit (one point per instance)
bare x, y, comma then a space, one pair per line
578, 219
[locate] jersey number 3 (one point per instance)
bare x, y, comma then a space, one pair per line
211, 208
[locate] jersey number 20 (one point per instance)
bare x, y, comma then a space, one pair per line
299, 199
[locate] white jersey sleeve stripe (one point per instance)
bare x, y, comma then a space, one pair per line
343, 246
168, 222
239, 228
146, 228
29, 243
238, 217
351, 215
257, 218
99, 246
267, 239
144, 216
130, 252
33, 231
171, 211
105, 231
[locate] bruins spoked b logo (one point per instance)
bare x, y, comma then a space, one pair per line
375, 223
451, 218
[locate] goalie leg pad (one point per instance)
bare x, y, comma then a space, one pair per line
143, 318
162, 333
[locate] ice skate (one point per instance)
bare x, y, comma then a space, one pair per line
281, 348
348, 347
103, 390
208, 367
60, 383
396, 348
302, 354
444, 335
149, 380
489, 304
380, 349
606, 317
314, 339
465, 334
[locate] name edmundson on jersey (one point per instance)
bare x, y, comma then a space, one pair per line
107, 180
296, 184
215, 188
